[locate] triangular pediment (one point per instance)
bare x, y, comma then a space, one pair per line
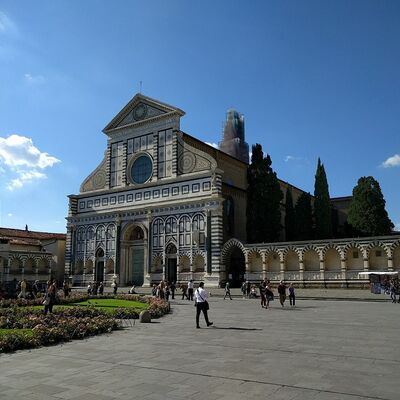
139, 109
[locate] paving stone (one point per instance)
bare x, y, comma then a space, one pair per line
323, 350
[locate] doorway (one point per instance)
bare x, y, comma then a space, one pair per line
236, 268
99, 271
171, 260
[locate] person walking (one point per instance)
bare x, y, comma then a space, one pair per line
173, 288
269, 294
292, 296
50, 297
248, 289
114, 285
66, 289
184, 291
227, 291
201, 305
243, 289
190, 290
23, 285
263, 286
101, 288
282, 293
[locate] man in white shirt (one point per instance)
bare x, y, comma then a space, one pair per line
190, 289
201, 304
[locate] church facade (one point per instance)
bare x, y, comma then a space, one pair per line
165, 205
154, 207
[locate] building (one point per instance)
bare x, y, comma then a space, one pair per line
165, 205
30, 255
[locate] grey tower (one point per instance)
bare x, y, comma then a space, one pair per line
233, 137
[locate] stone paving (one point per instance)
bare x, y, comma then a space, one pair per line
323, 350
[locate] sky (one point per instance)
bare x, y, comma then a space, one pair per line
312, 78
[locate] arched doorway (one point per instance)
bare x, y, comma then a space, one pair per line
99, 271
171, 260
235, 267
137, 237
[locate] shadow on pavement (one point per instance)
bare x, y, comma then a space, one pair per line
237, 328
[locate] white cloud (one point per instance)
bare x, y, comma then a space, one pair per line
17, 151
9, 215
215, 145
296, 159
23, 178
23, 159
6, 24
34, 80
393, 161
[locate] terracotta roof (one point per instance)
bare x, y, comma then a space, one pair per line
8, 233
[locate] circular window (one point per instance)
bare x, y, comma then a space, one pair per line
142, 168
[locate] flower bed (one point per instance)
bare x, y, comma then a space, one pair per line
37, 329
23, 324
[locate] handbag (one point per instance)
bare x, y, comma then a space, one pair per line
206, 305
46, 301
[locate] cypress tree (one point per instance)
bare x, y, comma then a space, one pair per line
322, 204
263, 199
367, 213
272, 198
303, 213
290, 227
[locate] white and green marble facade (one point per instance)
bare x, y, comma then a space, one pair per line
171, 224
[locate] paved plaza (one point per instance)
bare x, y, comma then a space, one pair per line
323, 350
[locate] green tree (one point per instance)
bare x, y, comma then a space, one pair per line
322, 204
367, 213
290, 219
304, 221
263, 199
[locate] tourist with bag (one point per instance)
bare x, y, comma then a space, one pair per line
201, 304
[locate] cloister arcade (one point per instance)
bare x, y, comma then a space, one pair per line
27, 266
329, 262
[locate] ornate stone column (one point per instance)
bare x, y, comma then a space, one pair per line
322, 268
390, 264
343, 268
264, 265
301, 268
282, 266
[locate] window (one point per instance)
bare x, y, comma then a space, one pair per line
378, 253
355, 254
142, 169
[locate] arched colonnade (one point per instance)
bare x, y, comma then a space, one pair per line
314, 261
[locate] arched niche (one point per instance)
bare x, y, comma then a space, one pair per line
311, 260
292, 261
332, 260
255, 262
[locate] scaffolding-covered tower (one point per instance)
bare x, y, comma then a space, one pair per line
233, 142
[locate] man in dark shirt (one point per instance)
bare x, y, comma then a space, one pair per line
282, 293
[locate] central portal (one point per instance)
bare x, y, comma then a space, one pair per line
171, 259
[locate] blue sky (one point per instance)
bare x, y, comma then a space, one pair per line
313, 79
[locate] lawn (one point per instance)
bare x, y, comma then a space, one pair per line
15, 332
113, 303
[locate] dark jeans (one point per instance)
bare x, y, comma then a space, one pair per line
190, 294
263, 300
48, 308
292, 299
200, 307
228, 293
